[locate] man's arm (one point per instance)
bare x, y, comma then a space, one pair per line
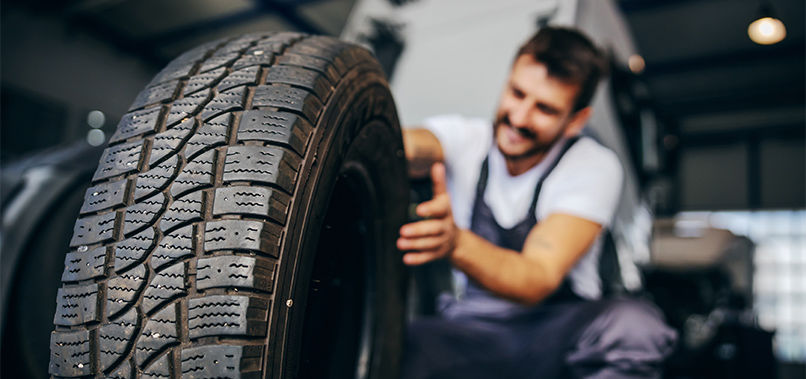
422, 150
551, 249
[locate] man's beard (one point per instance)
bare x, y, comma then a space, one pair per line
538, 147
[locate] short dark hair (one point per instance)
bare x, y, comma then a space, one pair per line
570, 57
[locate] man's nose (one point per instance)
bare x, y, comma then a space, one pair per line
519, 115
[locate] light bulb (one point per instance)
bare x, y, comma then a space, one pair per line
766, 31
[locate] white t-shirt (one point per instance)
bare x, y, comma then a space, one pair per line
586, 183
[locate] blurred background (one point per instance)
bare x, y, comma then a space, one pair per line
709, 125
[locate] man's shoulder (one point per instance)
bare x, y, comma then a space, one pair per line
455, 121
588, 154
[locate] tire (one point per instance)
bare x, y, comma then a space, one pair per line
242, 222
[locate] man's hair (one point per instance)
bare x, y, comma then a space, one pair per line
570, 57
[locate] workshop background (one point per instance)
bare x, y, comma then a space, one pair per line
709, 124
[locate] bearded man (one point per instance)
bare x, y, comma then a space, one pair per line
518, 210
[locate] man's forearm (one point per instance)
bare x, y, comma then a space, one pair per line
505, 272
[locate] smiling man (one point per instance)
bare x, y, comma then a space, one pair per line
519, 209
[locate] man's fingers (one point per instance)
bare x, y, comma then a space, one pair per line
439, 206
421, 243
438, 179
422, 228
415, 259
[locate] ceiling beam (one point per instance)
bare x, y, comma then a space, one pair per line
793, 50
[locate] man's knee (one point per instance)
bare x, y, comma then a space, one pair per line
627, 336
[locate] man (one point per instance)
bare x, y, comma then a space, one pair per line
519, 210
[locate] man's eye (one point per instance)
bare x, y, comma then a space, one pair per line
517, 93
547, 109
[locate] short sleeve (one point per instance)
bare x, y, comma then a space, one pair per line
459, 136
586, 184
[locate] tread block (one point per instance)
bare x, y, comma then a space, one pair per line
186, 107
173, 247
282, 128
119, 159
258, 201
93, 229
227, 101
219, 60
238, 78
329, 50
160, 332
159, 369
115, 339
226, 315
104, 196
70, 353
169, 141
166, 286
235, 271
124, 371
203, 81
222, 361
198, 173
123, 290
158, 93
137, 123
156, 179
213, 132
83, 265
302, 77
256, 56
322, 65
265, 164
133, 250
293, 99
257, 236
143, 214
77, 305
186, 209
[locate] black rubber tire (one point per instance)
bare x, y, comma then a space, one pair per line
242, 222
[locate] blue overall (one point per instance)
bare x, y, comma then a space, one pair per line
485, 336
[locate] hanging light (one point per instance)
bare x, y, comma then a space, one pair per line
766, 29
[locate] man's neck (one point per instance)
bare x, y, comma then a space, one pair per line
517, 166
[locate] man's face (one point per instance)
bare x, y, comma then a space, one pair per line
534, 110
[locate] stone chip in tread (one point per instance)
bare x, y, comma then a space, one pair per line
104, 196
119, 159
93, 229
77, 305
70, 353
83, 265
123, 290
159, 332
137, 123
115, 338
221, 361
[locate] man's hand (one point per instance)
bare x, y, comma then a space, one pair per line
434, 238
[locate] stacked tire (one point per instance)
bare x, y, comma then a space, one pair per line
241, 222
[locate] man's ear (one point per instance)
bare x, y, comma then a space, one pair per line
578, 121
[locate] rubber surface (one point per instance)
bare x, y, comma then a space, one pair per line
194, 247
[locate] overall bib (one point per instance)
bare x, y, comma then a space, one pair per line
485, 336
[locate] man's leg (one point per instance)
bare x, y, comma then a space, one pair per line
450, 348
627, 339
